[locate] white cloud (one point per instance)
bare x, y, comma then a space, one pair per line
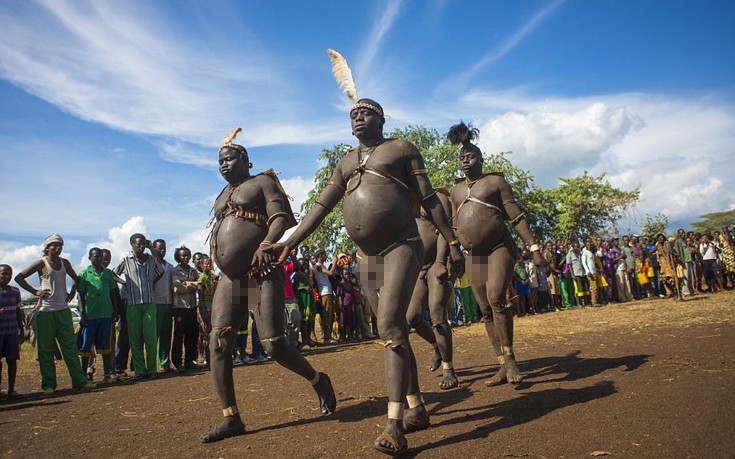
127, 66
117, 241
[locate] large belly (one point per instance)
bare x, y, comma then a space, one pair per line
377, 216
480, 227
234, 244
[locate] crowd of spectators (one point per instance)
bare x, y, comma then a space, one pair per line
149, 316
599, 271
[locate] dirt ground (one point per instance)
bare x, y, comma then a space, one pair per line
645, 379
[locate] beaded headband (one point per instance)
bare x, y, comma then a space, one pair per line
372, 107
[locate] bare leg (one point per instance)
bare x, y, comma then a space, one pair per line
401, 268
270, 319
440, 294
415, 317
498, 319
229, 309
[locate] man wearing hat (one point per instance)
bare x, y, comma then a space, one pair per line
53, 321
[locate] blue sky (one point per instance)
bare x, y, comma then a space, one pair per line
111, 113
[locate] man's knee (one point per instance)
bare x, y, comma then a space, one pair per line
275, 347
221, 340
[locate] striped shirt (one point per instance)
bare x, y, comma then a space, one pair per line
140, 275
9, 304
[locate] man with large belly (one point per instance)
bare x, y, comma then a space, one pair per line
434, 290
382, 180
250, 213
482, 201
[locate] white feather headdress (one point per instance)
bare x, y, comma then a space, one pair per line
343, 74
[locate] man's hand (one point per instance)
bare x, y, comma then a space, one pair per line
264, 257
457, 260
281, 251
69, 297
439, 269
115, 317
43, 293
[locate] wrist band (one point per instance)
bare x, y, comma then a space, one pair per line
454, 242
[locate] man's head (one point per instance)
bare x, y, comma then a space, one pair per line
197, 260
53, 245
6, 273
320, 255
367, 120
234, 164
575, 246
182, 255
106, 257
96, 257
588, 245
138, 243
159, 245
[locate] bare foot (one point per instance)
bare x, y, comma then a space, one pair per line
230, 427
436, 361
501, 377
416, 418
512, 372
449, 380
392, 441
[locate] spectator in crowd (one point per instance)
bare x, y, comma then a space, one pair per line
142, 271
622, 280
520, 282
728, 259
185, 283
53, 322
326, 297
574, 260
533, 284
684, 256
164, 307
590, 271
304, 290
122, 318
709, 253
553, 274
98, 310
348, 316
291, 307
567, 278
467, 297
11, 328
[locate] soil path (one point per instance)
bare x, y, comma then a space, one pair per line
645, 379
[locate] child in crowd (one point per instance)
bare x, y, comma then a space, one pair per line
348, 314
206, 285
11, 328
98, 310
520, 277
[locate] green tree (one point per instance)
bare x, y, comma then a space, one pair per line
331, 234
714, 221
587, 205
654, 224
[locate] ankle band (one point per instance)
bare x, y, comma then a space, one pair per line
395, 411
507, 350
501, 359
230, 411
315, 379
414, 400
447, 365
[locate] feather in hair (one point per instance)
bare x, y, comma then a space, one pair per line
462, 133
343, 74
231, 136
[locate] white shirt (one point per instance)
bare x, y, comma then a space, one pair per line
588, 262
